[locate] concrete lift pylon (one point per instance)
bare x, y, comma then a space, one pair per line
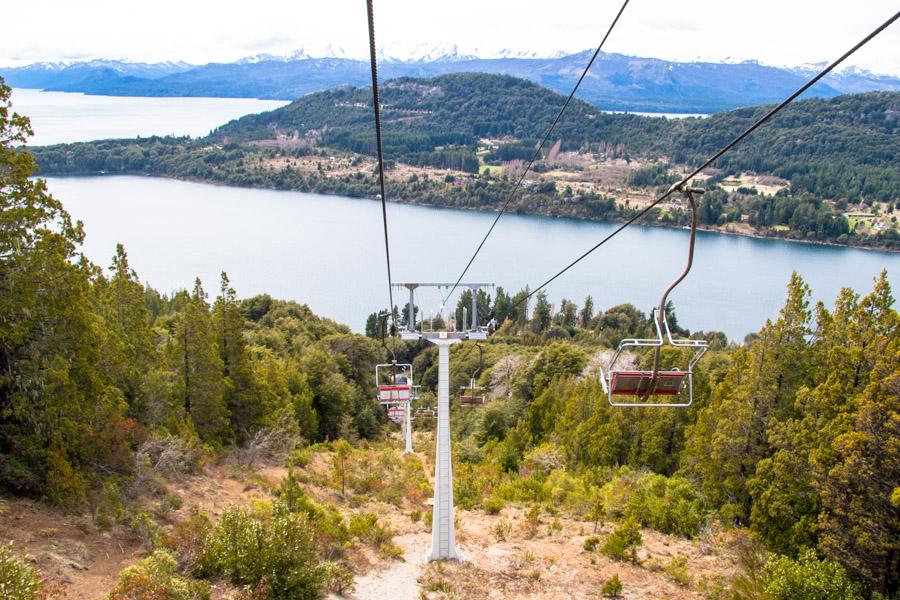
443, 529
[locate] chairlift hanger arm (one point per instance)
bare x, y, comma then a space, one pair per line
644, 384
660, 313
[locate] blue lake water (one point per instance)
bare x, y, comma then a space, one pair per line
62, 117
327, 251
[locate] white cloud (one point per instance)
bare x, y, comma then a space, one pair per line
198, 31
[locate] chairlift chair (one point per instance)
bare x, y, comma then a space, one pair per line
394, 383
397, 414
642, 385
472, 395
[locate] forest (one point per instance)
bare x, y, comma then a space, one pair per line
107, 387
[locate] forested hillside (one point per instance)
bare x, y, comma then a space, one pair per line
466, 135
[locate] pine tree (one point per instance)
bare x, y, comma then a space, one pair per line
122, 303
543, 314
587, 313
57, 405
195, 359
860, 521
758, 389
240, 390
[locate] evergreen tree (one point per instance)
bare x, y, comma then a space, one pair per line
123, 304
240, 389
194, 357
587, 313
61, 418
759, 388
860, 521
543, 314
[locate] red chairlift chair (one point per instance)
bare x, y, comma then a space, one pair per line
641, 386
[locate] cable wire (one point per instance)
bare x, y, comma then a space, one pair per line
721, 152
537, 151
373, 63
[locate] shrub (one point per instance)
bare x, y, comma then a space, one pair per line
624, 541
187, 539
532, 521
339, 579
271, 443
108, 506
808, 578
171, 456
666, 504
613, 587
157, 577
18, 579
66, 485
331, 532
677, 570
390, 550
146, 529
367, 529
591, 543
493, 505
502, 530
279, 548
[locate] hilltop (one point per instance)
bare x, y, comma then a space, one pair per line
823, 170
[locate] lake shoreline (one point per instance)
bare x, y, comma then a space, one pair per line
415, 202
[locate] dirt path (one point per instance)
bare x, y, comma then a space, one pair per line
400, 580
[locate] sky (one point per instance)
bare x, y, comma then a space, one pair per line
774, 32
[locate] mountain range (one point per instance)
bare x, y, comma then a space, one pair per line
616, 82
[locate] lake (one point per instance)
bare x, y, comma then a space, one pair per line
63, 117
328, 251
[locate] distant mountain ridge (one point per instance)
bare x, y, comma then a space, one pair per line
616, 81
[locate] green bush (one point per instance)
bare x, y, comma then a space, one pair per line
624, 541
666, 504
331, 532
677, 570
18, 579
808, 578
367, 529
146, 529
157, 577
591, 543
613, 587
493, 505
279, 549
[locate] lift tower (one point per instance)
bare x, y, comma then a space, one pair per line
443, 533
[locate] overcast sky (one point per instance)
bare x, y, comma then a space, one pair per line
777, 32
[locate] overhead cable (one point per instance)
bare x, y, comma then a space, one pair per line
678, 186
538, 150
373, 63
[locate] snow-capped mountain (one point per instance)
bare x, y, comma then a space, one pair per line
617, 82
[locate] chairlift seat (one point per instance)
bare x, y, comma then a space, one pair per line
394, 393
637, 383
471, 400
397, 415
